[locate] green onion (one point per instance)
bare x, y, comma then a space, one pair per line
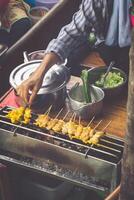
86, 88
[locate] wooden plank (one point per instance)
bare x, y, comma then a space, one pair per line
93, 60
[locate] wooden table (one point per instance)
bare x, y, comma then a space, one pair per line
114, 111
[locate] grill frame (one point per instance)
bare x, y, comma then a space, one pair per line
99, 171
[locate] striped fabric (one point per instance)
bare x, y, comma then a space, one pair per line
91, 17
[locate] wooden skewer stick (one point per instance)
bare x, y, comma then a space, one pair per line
48, 110
72, 117
97, 125
93, 130
90, 121
79, 120
66, 115
58, 113
103, 130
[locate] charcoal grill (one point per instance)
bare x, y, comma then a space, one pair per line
92, 167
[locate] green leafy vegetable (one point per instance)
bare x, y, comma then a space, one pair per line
92, 39
112, 80
86, 88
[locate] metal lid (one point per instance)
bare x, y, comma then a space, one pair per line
56, 77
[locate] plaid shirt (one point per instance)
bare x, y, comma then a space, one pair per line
91, 17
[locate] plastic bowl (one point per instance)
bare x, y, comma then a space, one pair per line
47, 3
36, 55
86, 110
94, 75
37, 12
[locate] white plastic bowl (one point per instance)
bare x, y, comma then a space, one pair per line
37, 12
47, 3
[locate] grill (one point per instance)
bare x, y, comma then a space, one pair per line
92, 167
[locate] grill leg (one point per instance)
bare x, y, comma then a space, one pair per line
5, 189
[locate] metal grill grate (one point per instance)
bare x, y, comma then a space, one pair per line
110, 149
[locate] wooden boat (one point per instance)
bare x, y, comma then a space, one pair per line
41, 33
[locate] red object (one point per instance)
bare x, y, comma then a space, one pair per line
3, 3
9, 100
132, 20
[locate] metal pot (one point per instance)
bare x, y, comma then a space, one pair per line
53, 89
80, 107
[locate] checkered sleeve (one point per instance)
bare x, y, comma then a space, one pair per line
76, 33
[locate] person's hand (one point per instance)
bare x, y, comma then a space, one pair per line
29, 88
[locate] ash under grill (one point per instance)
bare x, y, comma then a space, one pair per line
54, 153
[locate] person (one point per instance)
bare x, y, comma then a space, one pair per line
14, 20
3, 3
107, 20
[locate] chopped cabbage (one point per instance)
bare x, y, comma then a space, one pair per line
112, 80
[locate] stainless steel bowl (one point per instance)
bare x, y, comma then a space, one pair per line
80, 107
53, 89
94, 75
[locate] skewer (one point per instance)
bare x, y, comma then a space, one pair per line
92, 132
70, 126
79, 120
66, 115
25, 119
91, 138
97, 136
53, 122
87, 132
58, 126
91, 121
103, 130
97, 125
71, 119
79, 129
74, 117
48, 110
16, 115
58, 113
43, 119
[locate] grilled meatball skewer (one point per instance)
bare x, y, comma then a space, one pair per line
96, 137
53, 122
43, 119
60, 124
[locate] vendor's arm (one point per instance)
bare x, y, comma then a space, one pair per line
90, 15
